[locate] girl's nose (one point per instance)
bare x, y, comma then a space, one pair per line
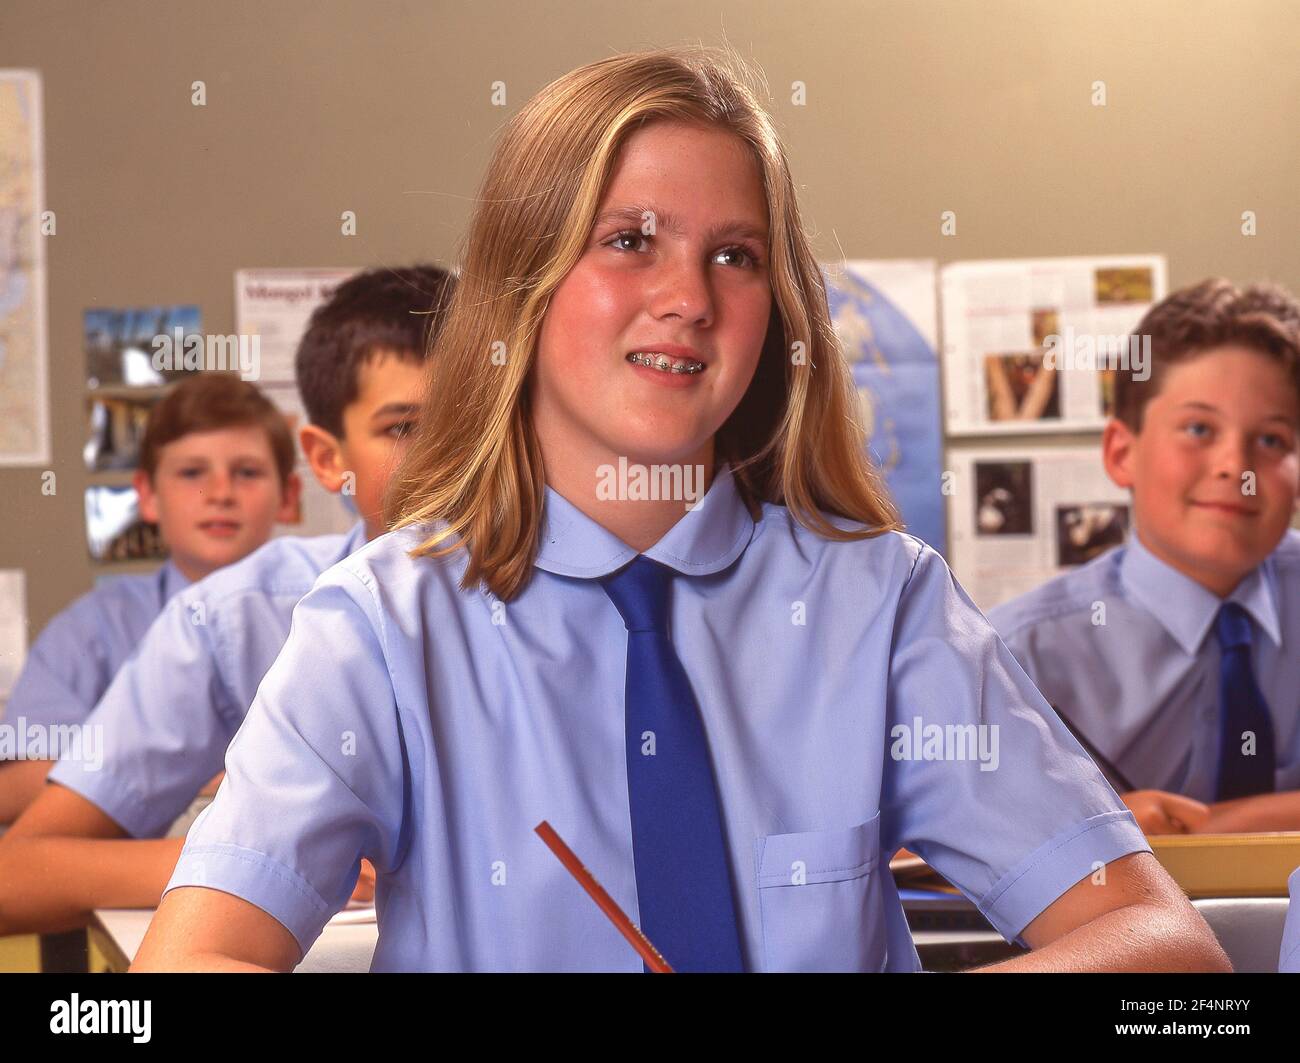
684, 291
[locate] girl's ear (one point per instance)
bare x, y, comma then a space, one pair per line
144, 491
1118, 443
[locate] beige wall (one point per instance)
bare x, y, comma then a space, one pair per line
383, 108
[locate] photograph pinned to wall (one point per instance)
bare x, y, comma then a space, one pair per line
24, 228
1021, 515
140, 347
1123, 285
1106, 386
1004, 498
115, 430
114, 528
885, 314
1088, 530
1028, 343
274, 306
1020, 388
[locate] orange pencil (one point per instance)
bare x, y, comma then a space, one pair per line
588, 882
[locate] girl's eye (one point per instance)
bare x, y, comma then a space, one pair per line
751, 258
626, 234
400, 429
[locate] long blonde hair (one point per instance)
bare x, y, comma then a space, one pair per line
796, 438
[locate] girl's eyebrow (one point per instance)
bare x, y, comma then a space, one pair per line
668, 222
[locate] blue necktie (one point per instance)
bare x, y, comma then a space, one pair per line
1241, 709
683, 879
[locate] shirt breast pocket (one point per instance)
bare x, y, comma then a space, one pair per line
820, 899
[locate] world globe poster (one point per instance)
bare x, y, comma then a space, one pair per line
886, 316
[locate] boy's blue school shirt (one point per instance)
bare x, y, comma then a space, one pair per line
430, 730
75, 658
163, 725
1124, 647
1289, 959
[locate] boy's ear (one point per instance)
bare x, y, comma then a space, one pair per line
324, 453
1117, 452
290, 496
145, 493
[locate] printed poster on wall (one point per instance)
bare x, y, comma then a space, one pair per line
1020, 516
1031, 345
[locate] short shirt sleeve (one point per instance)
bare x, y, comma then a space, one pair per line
66, 671
162, 726
315, 775
982, 779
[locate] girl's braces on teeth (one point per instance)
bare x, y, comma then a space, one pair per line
664, 363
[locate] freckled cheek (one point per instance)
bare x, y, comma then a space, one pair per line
587, 319
750, 318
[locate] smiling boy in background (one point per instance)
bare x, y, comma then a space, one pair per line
1177, 655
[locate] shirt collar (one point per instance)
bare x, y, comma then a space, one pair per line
1185, 608
708, 538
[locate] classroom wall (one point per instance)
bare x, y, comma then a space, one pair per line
383, 108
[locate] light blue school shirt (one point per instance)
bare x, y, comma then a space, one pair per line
430, 730
75, 658
1289, 960
165, 721
1124, 647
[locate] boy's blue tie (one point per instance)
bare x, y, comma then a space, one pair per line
1241, 709
683, 878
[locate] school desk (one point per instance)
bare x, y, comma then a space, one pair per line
343, 947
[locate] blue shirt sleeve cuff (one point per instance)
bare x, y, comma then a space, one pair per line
254, 877
104, 792
1024, 892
